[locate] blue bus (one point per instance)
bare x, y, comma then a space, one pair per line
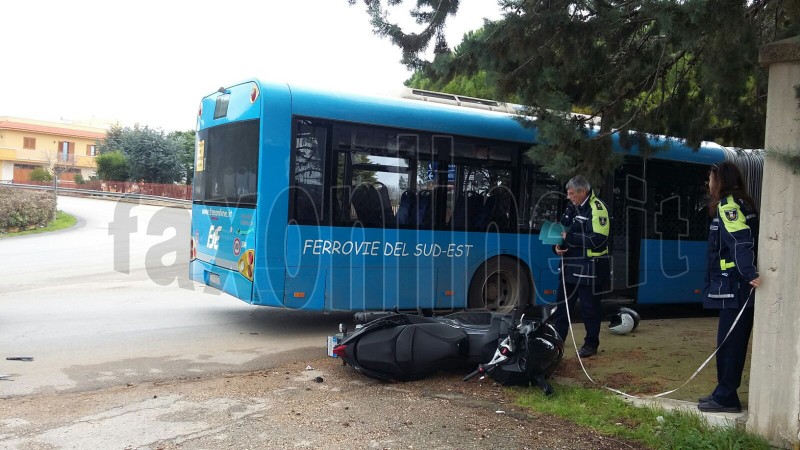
326, 201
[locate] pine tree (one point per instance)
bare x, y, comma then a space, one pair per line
681, 68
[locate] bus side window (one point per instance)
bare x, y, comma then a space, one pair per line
675, 201
307, 204
385, 205
500, 209
369, 205
408, 201
422, 215
544, 198
309, 158
466, 209
340, 205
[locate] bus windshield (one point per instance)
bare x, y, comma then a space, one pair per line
227, 164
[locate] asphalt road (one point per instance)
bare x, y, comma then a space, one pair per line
108, 303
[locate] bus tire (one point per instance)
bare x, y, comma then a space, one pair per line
500, 284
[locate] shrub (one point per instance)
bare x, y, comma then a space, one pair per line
40, 174
79, 179
21, 209
112, 166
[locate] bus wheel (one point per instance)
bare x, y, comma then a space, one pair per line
499, 284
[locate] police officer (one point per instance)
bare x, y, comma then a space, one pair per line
731, 278
585, 261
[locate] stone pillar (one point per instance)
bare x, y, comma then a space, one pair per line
774, 398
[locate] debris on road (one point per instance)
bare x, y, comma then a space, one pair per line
19, 358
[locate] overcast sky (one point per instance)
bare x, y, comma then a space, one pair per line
150, 62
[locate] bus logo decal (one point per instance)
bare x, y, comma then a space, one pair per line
213, 237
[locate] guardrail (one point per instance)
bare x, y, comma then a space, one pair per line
95, 193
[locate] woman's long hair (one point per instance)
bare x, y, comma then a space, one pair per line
728, 181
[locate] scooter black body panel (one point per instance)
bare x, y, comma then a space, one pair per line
402, 347
539, 352
410, 351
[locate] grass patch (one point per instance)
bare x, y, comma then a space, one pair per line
655, 428
61, 222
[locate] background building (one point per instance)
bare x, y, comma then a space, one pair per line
26, 144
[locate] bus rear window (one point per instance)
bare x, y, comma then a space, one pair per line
221, 107
227, 164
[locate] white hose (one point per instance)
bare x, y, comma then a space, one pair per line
580, 360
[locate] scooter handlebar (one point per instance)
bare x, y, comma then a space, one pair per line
483, 369
473, 374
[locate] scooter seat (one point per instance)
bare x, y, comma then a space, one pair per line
375, 351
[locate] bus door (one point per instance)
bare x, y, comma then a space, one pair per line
628, 220
673, 250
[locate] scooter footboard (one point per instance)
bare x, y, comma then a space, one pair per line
428, 347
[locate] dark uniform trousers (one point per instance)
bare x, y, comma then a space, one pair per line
590, 311
731, 356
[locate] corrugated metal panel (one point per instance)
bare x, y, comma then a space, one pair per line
751, 164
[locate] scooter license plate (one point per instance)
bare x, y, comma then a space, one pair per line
333, 341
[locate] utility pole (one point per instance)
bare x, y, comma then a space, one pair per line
61, 163
774, 395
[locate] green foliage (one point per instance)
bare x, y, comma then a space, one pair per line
150, 155
669, 68
40, 174
61, 222
22, 209
79, 179
477, 85
112, 166
656, 428
433, 13
113, 141
185, 141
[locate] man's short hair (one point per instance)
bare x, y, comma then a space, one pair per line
579, 183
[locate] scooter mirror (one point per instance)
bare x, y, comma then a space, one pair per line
548, 311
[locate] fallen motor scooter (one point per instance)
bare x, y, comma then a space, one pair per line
402, 347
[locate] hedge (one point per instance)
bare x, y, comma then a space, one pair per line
24, 209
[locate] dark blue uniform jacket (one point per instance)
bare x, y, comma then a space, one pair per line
731, 255
588, 226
